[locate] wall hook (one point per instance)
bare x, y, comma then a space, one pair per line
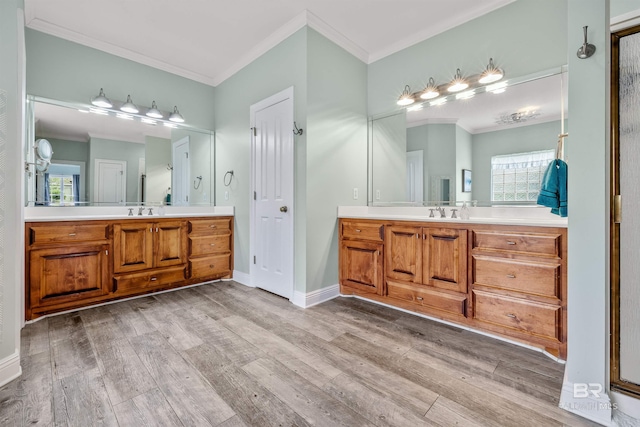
197, 185
587, 49
169, 167
296, 131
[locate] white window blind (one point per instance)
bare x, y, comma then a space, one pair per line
517, 177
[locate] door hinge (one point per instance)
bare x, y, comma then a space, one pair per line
254, 259
617, 208
187, 198
255, 131
121, 172
186, 154
255, 196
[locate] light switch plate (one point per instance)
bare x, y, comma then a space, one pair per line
355, 193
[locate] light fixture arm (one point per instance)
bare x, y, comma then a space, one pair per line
587, 49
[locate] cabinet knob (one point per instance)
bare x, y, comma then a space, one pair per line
511, 315
212, 226
511, 276
358, 230
211, 265
510, 242
153, 279
213, 244
419, 298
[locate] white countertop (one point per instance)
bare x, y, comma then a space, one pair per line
536, 216
77, 213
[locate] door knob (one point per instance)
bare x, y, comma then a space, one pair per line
283, 209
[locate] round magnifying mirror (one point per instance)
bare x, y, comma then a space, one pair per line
44, 150
42, 165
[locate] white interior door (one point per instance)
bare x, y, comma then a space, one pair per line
415, 176
181, 172
272, 196
110, 181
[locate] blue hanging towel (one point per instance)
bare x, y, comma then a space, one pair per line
553, 192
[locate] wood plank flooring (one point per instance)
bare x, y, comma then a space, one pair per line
223, 354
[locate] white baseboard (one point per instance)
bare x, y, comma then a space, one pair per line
306, 300
242, 278
594, 408
10, 368
626, 411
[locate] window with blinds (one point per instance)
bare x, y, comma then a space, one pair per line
517, 177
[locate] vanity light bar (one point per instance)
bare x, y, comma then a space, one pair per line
129, 108
459, 83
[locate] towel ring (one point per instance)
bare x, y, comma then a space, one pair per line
230, 174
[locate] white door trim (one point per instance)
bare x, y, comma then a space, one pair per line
176, 192
253, 240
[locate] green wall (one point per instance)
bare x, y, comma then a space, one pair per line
11, 175
523, 37
336, 150
620, 7
330, 157
538, 137
389, 158
77, 151
67, 71
281, 67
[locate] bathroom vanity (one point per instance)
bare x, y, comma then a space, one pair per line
73, 262
493, 273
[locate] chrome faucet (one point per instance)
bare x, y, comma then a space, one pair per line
150, 211
130, 211
140, 209
453, 213
443, 214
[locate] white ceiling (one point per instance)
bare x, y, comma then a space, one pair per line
210, 40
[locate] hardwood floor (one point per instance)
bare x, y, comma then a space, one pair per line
223, 354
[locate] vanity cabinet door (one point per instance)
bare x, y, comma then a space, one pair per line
403, 253
445, 258
361, 266
170, 243
132, 246
64, 275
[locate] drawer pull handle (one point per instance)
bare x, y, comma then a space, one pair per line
510, 242
72, 234
211, 265
156, 229
212, 226
511, 315
511, 276
419, 298
213, 244
153, 279
358, 230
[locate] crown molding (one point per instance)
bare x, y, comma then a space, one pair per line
432, 122
63, 33
313, 21
433, 30
277, 37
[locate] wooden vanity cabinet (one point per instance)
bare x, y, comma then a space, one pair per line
210, 248
427, 266
361, 257
73, 264
67, 264
519, 284
503, 279
154, 252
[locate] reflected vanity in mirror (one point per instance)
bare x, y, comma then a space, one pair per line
103, 159
505, 136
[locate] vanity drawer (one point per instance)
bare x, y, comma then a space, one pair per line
210, 266
417, 294
362, 231
131, 283
209, 226
521, 276
523, 243
533, 318
205, 245
66, 232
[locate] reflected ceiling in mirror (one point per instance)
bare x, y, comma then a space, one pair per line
523, 102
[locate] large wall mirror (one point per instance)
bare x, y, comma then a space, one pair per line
99, 158
490, 149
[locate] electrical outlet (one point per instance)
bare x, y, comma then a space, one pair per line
355, 193
377, 194
226, 195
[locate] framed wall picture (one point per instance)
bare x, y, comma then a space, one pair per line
466, 181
